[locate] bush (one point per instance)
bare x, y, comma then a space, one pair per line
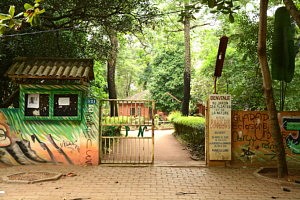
111, 131
190, 129
126, 120
174, 115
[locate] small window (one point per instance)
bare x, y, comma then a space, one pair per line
139, 113
65, 104
132, 111
52, 105
36, 104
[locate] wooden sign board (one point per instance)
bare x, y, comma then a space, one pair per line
219, 127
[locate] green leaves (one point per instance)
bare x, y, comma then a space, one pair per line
222, 6
211, 3
4, 17
31, 15
11, 11
27, 6
6, 20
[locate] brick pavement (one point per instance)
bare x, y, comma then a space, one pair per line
150, 182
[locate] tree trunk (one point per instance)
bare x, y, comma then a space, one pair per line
294, 12
128, 84
268, 91
111, 69
187, 67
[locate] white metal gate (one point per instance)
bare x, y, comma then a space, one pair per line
126, 131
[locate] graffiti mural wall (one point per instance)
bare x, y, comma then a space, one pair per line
50, 141
252, 140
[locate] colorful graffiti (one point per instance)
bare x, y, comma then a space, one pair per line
252, 140
293, 143
49, 141
292, 123
17, 149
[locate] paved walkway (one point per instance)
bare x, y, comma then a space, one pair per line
149, 183
153, 182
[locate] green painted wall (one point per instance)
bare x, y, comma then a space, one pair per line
60, 140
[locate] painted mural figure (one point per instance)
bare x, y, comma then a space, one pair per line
18, 149
14, 149
293, 142
293, 138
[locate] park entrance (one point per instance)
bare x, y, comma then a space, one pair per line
127, 131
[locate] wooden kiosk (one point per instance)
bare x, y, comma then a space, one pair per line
57, 120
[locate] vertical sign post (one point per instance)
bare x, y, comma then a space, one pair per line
219, 133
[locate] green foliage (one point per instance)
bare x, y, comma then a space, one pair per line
190, 129
190, 121
173, 115
8, 21
283, 48
52, 44
126, 120
132, 60
99, 85
167, 78
111, 131
241, 75
30, 15
227, 7
120, 15
292, 102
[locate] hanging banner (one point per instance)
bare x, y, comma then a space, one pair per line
219, 139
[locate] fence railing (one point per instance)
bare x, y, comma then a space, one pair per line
118, 118
135, 150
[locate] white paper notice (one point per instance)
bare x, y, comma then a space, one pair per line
64, 101
33, 101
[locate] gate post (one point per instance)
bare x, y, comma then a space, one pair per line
153, 108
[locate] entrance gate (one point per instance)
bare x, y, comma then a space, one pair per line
127, 131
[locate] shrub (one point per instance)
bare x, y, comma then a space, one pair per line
111, 131
174, 115
126, 120
191, 130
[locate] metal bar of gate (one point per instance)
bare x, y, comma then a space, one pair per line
136, 150
121, 149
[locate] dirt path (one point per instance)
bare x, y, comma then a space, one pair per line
168, 151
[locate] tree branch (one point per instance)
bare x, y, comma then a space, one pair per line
294, 12
192, 27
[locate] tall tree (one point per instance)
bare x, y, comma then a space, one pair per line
119, 15
268, 90
111, 70
166, 80
187, 60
